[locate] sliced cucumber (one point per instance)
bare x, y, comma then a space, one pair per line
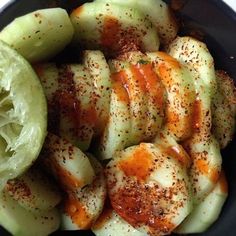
181, 94
224, 109
117, 132
153, 180
113, 28
207, 211
39, 35
133, 81
48, 74
167, 142
99, 69
87, 112
197, 58
34, 191
155, 91
88, 201
158, 12
206, 166
114, 225
69, 165
20, 222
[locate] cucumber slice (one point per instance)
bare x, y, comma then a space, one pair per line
158, 12
69, 165
117, 132
21, 222
48, 74
153, 180
168, 144
84, 91
155, 91
206, 166
23, 113
113, 225
207, 211
133, 81
99, 69
202, 146
113, 28
224, 109
39, 35
88, 201
197, 58
181, 94
34, 191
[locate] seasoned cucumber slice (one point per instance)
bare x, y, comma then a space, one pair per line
202, 146
155, 93
34, 191
207, 211
197, 58
101, 77
88, 201
167, 143
113, 225
153, 180
224, 109
117, 132
48, 74
87, 117
39, 35
133, 81
23, 113
206, 166
113, 28
157, 12
69, 165
20, 222
181, 94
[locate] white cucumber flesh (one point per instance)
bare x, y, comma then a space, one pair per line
88, 201
97, 65
34, 191
113, 28
158, 12
207, 211
146, 176
39, 35
20, 222
67, 163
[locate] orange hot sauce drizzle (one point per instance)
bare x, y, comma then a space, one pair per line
179, 154
77, 212
67, 180
139, 78
119, 86
205, 169
196, 123
153, 83
138, 164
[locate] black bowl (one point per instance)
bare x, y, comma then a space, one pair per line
216, 23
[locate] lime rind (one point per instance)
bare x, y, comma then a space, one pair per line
23, 114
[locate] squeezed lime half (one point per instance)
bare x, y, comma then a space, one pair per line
23, 114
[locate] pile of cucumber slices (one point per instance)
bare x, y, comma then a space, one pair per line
127, 139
